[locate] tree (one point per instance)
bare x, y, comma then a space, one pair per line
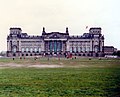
2, 53
118, 53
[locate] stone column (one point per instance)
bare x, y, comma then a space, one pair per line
103, 46
8, 48
10, 45
48, 47
62, 46
17, 45
42, 46
20, 46
67, 45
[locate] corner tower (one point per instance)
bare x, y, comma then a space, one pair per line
97, 41
13, 41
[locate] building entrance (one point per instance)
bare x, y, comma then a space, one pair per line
55, 46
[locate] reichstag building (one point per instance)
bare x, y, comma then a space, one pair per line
55, 43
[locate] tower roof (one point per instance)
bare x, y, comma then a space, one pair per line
15, 28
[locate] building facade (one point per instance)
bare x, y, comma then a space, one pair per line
55, 43
109, 50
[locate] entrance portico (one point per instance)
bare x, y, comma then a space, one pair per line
55, 46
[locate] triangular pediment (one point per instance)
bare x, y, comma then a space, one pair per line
55, 35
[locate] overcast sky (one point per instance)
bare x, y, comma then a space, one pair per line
56, 15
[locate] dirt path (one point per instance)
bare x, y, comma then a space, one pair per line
13, 65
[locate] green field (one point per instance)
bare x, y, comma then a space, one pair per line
79, 77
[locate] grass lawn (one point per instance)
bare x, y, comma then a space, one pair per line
80, 77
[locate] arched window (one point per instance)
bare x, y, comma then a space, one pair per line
84, 49
79, 49
75, 49
31, 50
35, 49
71, 49
96, 42
14, 49
88, 49
27, 49
22, 50
96, 48
39, 50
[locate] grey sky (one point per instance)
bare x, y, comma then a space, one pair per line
56, 15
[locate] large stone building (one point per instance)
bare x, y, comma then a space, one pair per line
109, 50
55, 43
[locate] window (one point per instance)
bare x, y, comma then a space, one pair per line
14, 49
35, 49
96, 48
96, 42
27, 49
88, 54
84, 49
79, 49
31, 50
23, 50
26, 54
83, 54
88, 49
75, 49
39, 50
14, 54
71, 49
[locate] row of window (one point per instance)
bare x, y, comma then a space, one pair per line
79, 41
82, 49
72, 49
79, 44
47, 54
30, 44
79, 49
31, 50
15, 32
96, 31
31, 41
28, 54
